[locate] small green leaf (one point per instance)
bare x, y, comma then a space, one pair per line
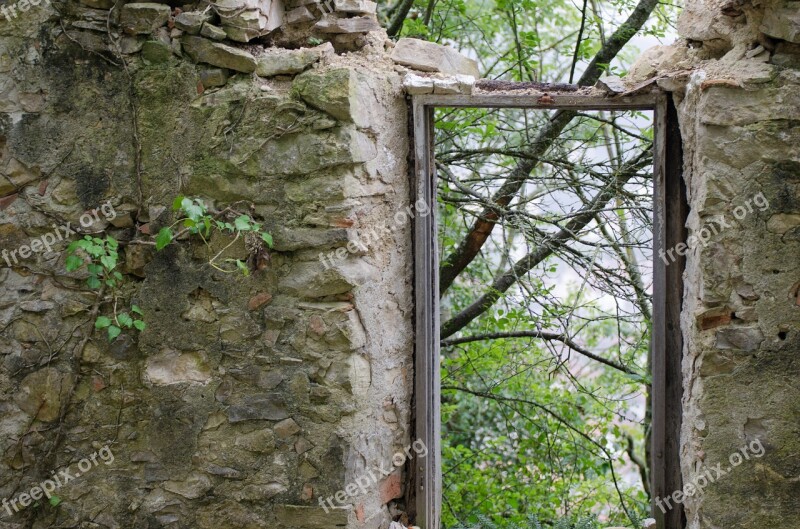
243, 267
139, 324
93, 282
55, 501
136, 309
242, 223
125, 320
73, 263
112, 242
109, 262
102, 322
267, 239
164, 238
111, 283
113, 332
95, 250
118, 276
176, 204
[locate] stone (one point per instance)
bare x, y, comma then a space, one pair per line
143, 18
16, 176
357, 7
611, 84
156, 51
217, 54
225, 472
279, 61
417, 85
783, 222
244, 20
98, 4
295, 516
192, 21
713, 318
303, 445
391, 487
726, 106
259, 441
214, 77
41, 392
37, 306
431, 57
746, 339
299, 15
195, 486
129, 45
171, 367
783, 23
266, 407
258, 301
313, 280
342, 93
213, 32
286, 428
292, 239
446, 86
331, 24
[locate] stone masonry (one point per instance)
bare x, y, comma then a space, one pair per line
248, 400
736, 78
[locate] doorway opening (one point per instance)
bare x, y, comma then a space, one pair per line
548, 345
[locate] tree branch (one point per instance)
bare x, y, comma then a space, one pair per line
544, 335
502, 283
469, 247
399, 18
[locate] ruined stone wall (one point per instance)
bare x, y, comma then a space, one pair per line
736, 78
246, 399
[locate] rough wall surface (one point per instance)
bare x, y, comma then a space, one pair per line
246, 399
736, 77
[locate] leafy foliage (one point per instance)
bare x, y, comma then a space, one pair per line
196, 219
101, 258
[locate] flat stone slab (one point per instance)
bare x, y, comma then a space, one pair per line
431, 57
143, 18
359, 7
783, 23
331, 24
218, 54
280, 61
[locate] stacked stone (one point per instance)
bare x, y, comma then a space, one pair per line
246, 401
201, 30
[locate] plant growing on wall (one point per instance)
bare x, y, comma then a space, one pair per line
197, 220
100, 257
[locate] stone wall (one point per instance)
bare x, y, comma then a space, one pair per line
736, 78
247, 399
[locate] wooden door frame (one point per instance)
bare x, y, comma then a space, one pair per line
670, 212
